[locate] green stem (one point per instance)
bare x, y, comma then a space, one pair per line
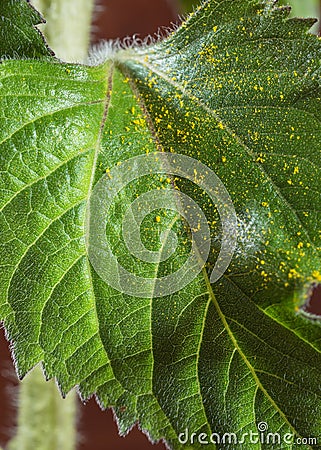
45, 420
68, 26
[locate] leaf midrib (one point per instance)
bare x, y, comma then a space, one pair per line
210, 290
159, 145
243, 356
233, 134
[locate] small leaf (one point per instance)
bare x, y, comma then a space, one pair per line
19, 37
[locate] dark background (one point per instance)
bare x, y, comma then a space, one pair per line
97, 429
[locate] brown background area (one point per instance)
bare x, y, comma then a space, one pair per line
98, 431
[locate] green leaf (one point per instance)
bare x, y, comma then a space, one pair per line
19, 37
236, 87
42, 417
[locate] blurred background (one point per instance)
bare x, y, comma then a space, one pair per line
114, 19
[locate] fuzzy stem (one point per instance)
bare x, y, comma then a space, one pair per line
45, 421
68, 26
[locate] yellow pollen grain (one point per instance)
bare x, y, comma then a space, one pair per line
316, 275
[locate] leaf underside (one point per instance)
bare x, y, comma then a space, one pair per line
236, 87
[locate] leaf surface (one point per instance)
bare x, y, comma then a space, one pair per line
236, 87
